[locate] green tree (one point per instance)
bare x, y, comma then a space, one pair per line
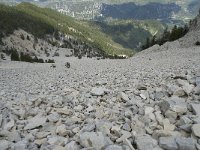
15, 56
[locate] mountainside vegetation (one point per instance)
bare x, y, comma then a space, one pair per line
43, 21
131, 33
168, 36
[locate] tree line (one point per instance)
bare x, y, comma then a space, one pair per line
174, 34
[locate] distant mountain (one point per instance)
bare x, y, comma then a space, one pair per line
56, 29
171, 10
194, 6
140, 12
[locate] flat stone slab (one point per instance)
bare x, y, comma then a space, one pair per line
35, 122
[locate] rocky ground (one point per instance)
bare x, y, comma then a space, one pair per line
148, 102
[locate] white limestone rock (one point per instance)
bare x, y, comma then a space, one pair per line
35, 122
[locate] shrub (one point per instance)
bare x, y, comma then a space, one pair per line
197, 43
14, 56
67, 65
40, 60
79, 57
53, 66
50, 61
26, 58
3, 57
28, 38
56, 54
22, 37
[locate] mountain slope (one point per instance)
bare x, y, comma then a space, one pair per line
131, 33
41, 22
90, 9
141, 12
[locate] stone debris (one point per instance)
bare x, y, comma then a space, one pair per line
131, 104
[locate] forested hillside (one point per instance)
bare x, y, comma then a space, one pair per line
42, 22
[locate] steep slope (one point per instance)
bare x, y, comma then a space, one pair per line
131, 33
45, 23
193, 36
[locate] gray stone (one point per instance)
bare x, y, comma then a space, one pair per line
145, 142
125, 135
21, 145
94, 139
113, 147
148, 110
171, 114
197, 90
88, 128
143, 96
72, 146
63, 111
126, 127
185, 143
57, 140
61, 130
13, 136
185, 120
54, 117
40, 135
124, 96
186, 86
175, 104
98, 91
1, 119
4, 145
9, 125
35, 122
196, 120
198, 80
168, 143
196, 130
179, 92
103, 126
141, 87
168, 126
196, 109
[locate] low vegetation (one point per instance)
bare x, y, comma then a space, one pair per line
15, 56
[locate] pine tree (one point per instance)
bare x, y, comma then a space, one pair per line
15, 56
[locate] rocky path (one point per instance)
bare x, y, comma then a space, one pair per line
148, 102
